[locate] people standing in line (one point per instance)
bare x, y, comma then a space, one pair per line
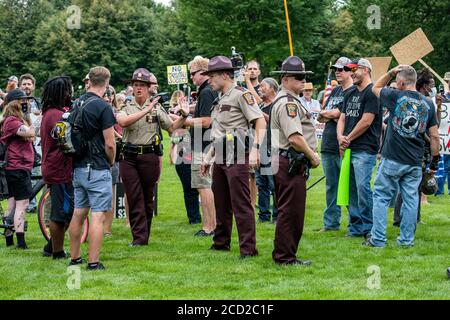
92, 179
331, 160
359, 129
293, 138
410, 115
56, 166
233, 115
142, 120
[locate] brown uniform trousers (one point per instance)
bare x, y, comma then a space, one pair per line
232, 195
139, 175
291, 199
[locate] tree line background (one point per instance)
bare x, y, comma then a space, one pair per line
126, 34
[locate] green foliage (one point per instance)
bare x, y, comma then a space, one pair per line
124, 35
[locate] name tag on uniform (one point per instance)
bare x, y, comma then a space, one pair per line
225, 107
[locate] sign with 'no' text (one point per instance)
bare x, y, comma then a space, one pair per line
177, 74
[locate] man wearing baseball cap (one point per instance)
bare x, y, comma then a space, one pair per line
359, 129
331, 160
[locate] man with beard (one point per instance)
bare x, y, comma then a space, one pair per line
359, 129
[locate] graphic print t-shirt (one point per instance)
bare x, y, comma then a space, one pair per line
356, 103
410, 116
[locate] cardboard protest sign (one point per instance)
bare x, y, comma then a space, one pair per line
380, 65
177, 74
412, 48
444, 129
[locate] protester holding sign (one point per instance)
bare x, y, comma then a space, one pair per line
410, 115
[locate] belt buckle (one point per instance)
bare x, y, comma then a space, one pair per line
140, 150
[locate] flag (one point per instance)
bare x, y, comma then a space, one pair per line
328, 89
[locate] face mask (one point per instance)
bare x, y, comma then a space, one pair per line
433, 92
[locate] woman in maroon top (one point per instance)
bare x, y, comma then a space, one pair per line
18, 135
56, 166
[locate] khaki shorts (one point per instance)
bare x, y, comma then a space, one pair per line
198, 181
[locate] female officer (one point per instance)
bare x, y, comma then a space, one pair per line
142, 120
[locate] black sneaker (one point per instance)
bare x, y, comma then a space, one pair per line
97, 266
298, 262
216, 248
60, 255
203, 233
77, 262
23, 247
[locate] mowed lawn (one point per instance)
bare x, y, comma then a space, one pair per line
177, 265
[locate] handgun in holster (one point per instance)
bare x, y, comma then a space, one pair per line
299, 164
158, 145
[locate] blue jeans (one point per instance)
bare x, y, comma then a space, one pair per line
190, 194
443, 175
331, 166
360, 200
266, 186
389, 174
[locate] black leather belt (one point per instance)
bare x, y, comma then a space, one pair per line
136, 149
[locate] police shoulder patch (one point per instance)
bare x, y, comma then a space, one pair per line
249, 98
292, 110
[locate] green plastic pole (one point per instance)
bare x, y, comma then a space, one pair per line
344, 180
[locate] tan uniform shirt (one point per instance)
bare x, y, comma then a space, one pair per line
144, 130
236, 109
287, 118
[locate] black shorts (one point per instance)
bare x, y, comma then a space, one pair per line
62, 202
19, 184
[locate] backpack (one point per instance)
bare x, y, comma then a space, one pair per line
68, 132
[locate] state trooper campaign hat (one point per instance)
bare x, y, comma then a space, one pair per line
293, 65
219, 63
142, 75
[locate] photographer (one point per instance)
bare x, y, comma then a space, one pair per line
18, 135
142, 120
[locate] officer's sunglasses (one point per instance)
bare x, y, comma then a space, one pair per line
299, 77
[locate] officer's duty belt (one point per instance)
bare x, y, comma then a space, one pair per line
137, 149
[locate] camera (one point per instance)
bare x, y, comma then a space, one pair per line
237, 58
164, 98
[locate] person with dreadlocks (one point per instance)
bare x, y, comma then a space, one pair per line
56, 166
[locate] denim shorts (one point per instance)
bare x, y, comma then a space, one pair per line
93, 189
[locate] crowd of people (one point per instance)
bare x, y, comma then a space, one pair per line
235, 148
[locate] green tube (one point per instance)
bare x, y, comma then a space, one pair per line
344, 180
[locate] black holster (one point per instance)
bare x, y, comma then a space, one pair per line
299, 164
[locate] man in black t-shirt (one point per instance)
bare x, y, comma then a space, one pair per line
200, 140
410, 116
331, 161
92, 179
359, 129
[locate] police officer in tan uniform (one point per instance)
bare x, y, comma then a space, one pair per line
292, 136
232, 117
142, 120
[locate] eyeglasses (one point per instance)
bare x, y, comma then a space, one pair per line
194, 73
353, 69
298, 77
337, 69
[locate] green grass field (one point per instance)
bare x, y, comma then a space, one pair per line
177, 265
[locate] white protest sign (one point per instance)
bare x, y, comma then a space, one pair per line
444, 129
177, 74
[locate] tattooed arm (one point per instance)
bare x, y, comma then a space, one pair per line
26, 132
